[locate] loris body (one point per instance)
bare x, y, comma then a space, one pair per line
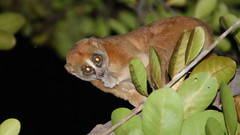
105, 61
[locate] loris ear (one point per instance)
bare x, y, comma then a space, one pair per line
144, 58
95, 42
83, 41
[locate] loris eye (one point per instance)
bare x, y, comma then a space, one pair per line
97, 60
88, 70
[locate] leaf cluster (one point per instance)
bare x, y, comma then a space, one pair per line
166, 112
61, 23
10, 23
10, 126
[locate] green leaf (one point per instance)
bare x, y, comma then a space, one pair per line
10, 127
221, 10
179, 82
117, 26
197, 92
41, 38
11, 22
128, 18
213, 127
178, 3
229, 110
102, 30
7, 40
232, 2
228, 20
223, 68
62, 43
177, 62
134, 132
87, 23
195, 44
138, 76
224, 45
162, 113
155, 68
204, 8
131, 127
238, 129
195, 124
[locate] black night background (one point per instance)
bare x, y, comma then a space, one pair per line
37, 90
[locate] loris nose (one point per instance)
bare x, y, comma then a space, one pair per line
101, 73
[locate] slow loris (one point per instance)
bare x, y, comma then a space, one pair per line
105, 61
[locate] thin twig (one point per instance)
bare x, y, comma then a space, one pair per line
167, 7
178, 76
140, 11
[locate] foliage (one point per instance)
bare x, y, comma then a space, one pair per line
228, 20
164, 112
10, 127
211, 125
195, 44
188, 47
197, 92
139, 80
10, 24
223, 68
134, 123
184, 111
229, 109
178, 60
61, 23
155, 69
195, 124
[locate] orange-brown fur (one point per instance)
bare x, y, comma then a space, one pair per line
121, 49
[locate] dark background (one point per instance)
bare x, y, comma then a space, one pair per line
37, 90
35, 87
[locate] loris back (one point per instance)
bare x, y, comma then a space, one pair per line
105, 61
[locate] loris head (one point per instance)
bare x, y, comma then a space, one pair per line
88, 60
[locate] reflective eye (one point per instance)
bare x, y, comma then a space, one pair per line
97, 60
88, 70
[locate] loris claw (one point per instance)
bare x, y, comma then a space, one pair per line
105, 61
